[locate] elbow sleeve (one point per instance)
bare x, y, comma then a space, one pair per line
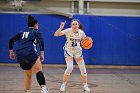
41, 45
11, 44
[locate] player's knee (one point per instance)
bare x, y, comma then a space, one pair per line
79, 59
29, 76
83, 71
69, 68
82, 68
83, 74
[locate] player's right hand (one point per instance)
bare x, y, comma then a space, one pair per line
62, 25
12, 55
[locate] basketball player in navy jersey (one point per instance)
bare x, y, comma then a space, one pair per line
27, 56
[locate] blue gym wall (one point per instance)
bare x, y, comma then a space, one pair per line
116, 39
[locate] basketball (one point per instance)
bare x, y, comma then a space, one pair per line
86, 43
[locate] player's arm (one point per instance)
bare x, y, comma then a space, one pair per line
41, 45
11, 44
83, 34
58, 32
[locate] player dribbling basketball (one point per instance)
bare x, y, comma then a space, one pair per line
72, 49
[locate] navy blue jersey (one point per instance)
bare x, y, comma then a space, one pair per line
28, 40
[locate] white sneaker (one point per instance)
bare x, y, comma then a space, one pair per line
27, 91
86, 89
44, 90
63, 88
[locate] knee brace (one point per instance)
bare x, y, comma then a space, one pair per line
81, 65
69, 68
40, 78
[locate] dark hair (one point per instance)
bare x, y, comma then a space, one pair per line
31, 21
81, 27
75, 20
35, 21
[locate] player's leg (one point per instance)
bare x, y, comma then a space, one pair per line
28, 80
66, 76
37, 68
81, 65
28, 72
69, 62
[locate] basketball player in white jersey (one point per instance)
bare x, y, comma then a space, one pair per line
72, 49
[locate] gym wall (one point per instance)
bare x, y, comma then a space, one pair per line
116, 39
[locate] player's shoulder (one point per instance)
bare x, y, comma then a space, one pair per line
23, 30
81, 31
68, 29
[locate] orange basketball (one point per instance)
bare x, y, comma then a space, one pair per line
86, 43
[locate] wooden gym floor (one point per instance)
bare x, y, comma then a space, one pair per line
101, 79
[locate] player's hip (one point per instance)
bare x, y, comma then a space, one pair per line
27, 60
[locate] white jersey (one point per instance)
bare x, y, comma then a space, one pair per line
73, 39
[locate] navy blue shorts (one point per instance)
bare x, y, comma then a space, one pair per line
27, 61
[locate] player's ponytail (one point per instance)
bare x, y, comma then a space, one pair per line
31, 21
81, 27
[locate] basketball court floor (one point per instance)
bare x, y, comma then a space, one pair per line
101, 80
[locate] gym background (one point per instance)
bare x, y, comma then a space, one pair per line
114, 26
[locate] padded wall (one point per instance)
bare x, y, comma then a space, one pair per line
116, 39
